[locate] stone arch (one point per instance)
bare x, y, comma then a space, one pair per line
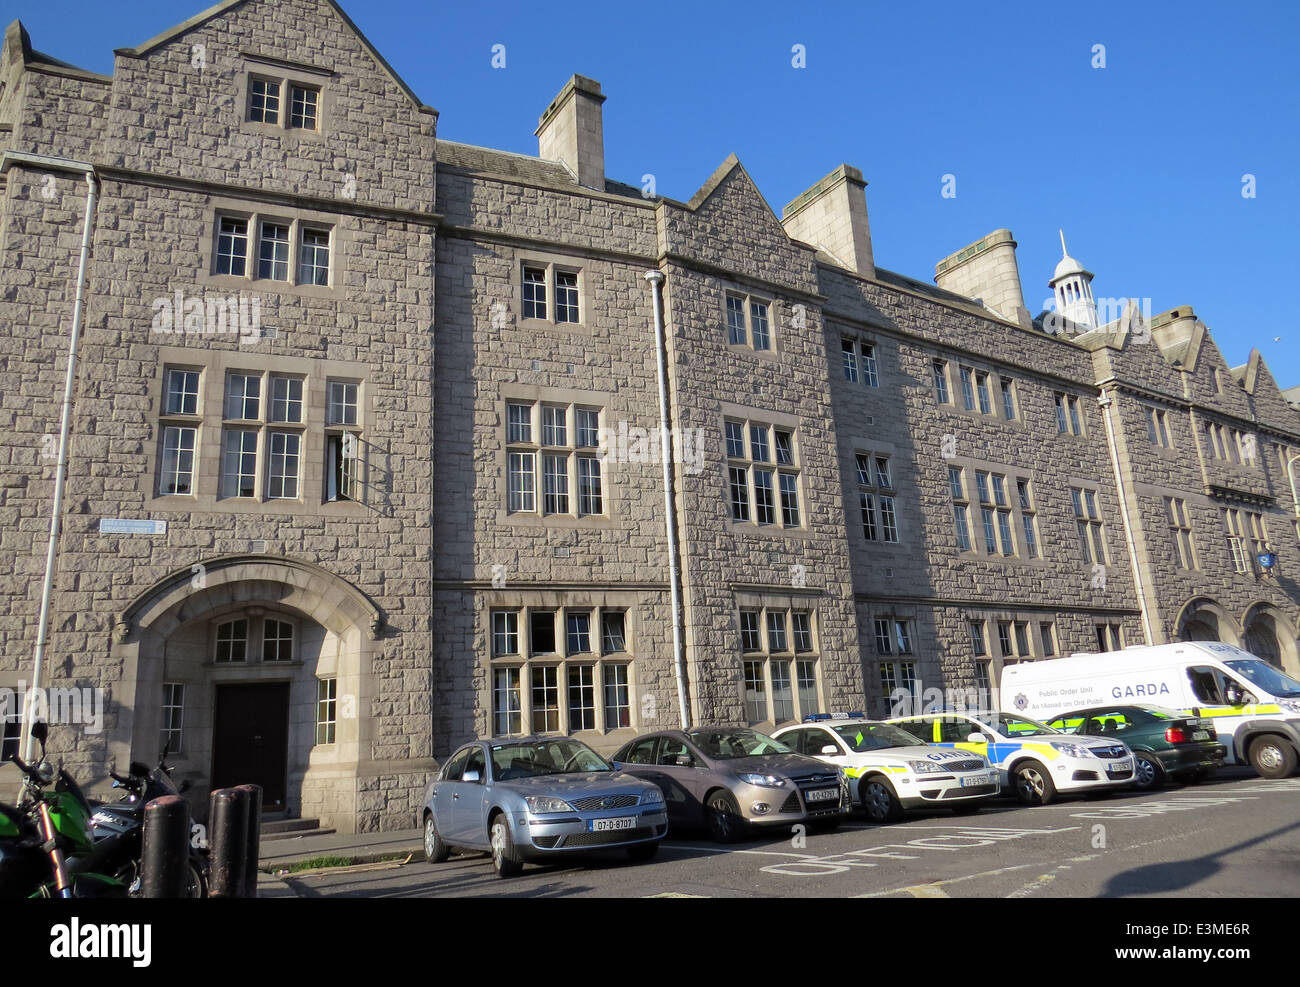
157, 639
1270, 635
1203, 619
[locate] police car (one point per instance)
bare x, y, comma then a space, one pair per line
890, 770
1033, 759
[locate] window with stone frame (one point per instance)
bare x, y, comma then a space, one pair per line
327, 694
553, 464
858, 361
1180, 533
961, 508
1110, 636
898, 687
876, 503
939, 371
172, 735
269, 248
1158, 426
1028, 518
551, 292
749, 320
284, 102
1087, 519
1069, 419
560, 670
1047, 638
893, 636
779, 664
179, 429
763, 474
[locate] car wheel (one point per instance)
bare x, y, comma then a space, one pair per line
1032, 783
1272, 757
505, 858
879, 801
969, 809
643, 851
723, 818
1148, 775
435, 851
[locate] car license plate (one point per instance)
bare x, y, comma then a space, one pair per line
1117, 768
823, 795
605, 825
1200, 735
975, 781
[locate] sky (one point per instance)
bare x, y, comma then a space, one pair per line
1139, 149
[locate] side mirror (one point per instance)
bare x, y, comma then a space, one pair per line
41, 731
684, 761
470, 776
830, 749
976, 738
139, 770
184, 786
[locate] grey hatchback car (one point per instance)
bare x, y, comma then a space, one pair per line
727, 778
536, 797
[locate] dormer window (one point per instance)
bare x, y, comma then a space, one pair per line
280, 102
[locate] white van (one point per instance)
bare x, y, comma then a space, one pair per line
1254, 706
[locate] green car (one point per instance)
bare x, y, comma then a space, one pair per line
1164, 742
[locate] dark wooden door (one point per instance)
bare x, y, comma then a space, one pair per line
250, 739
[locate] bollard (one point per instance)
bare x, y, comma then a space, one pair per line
227, 842
165, 858
253, 840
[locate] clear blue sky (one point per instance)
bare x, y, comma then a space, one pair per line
1141, 161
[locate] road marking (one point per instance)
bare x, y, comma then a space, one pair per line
674, 894
927, 891
951, 880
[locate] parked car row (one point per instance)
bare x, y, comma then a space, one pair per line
545, 797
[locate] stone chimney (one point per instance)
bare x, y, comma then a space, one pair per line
832, 215
571, 131
987, 270
1171, 330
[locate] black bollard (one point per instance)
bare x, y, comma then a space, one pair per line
253, 841
227, 842
166, 854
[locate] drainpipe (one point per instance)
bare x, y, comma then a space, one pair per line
65, 425
1290, 475
656, 279
1107, 404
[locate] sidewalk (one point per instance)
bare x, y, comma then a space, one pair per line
361, 847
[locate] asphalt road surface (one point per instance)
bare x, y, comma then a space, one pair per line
1234, 836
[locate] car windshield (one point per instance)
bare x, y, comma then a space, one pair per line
1019, 726
544, 757
1266, 677
724, 745
869, 736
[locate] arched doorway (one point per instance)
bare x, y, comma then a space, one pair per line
252, 669
1204, 620
1269, 635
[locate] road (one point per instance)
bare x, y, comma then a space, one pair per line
1234, 836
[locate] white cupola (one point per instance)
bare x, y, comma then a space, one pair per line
1073, 287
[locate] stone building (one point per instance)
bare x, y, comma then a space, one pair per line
366, 454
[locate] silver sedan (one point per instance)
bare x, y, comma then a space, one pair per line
538, 797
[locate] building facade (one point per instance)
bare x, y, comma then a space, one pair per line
365, 442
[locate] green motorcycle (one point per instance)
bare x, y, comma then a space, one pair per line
50, 823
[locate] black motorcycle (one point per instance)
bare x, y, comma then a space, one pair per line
117, 829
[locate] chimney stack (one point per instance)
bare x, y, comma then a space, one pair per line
832, 215
572, 131
987, 270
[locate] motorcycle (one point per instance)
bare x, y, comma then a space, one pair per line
117, 828
46, 845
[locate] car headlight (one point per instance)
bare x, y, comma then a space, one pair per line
538, 804
652, 797
925, 767
1074, 750
762, 781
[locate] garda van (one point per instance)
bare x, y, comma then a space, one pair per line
1255, 707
